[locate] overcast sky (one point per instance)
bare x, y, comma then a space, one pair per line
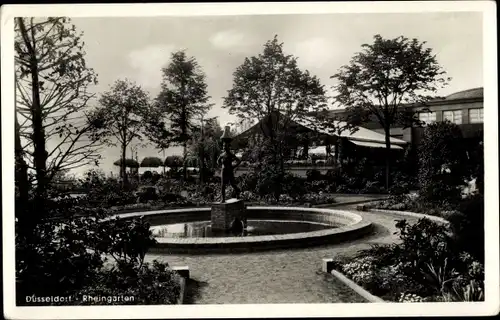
137, 48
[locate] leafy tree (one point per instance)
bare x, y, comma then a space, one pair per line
383, 77
272, 87
173, 162
443, 166
129, 163
183, 98
55, 128
125, 106
151, 162
206, 145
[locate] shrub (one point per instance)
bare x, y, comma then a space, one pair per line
152, 283
468, 226
65, 257
55, 260
146, 194
294, 186
313, 175
147, 175
373, 187
316, 185
248, 181
443, 166
426, 266
424, 241
270, 182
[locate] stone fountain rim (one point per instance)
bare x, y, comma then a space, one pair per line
358, 224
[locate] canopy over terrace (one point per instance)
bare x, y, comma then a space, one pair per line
328, 134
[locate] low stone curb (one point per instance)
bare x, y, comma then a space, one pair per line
118, 211
412, 214
356, 288
182, 294
338, 204
183, 272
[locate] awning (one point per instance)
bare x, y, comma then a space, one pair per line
374, 144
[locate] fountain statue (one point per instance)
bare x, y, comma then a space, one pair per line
226, 160
228, 213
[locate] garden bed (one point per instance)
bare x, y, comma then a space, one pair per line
427, 266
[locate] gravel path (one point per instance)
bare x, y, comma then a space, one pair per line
285, 276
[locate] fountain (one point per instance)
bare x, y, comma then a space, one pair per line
231, 226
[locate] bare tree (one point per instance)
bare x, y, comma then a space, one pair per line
56, 128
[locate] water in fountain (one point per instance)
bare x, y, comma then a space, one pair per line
201, 229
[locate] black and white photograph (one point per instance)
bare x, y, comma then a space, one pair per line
250, 160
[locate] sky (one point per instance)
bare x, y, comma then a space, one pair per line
137, 49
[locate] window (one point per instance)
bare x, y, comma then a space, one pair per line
476, 115
454, 116
427, 117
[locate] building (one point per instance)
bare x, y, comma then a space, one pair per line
465, 108
308, 134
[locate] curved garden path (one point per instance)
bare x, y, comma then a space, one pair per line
285, 276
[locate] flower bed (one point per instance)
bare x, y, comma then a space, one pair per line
251, 199
426, 266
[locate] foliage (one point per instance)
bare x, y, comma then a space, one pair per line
313, 175
270, 182
426, 266
424, 241
147, 175
206, 147
64, 257
125, 106
443, 163
153, 283
146, 194
468, 225
385, 75
151, 162
129, 163
126, 241
183, 99
173, 162
104, 192
270, 87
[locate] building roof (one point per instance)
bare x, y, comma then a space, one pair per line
474, 93
360, 134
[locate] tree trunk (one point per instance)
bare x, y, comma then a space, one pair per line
26, 222
387, 131
202, 165
123, 167
39, 154
184, 162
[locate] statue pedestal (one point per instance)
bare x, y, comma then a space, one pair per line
223, 214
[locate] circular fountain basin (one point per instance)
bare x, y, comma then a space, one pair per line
187, 230
202, 229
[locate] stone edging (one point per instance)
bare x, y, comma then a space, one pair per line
353, 226
413, 214
183, 273
183, 292
338, 204
356, 288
